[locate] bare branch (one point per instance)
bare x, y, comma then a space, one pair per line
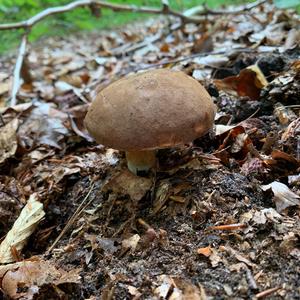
17, 70
82, 3
238, 10
165, 10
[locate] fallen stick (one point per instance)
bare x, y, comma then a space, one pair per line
266, 293
17, 70
165, 10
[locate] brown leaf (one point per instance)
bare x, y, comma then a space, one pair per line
235, 144
282, 163
77, 114
126, 183
8, 140
162, 194
203, 44
206, 251
249, 82
23, 280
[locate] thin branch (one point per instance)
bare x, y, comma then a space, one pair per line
204, 10
165, 10
267, 292
74, 217
238, 10
17, 70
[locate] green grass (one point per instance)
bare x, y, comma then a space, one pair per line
78, 19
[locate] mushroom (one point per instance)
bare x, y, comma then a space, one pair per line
148, 111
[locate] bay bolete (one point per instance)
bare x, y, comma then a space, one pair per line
148, 111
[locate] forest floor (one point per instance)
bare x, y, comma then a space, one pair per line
220, 218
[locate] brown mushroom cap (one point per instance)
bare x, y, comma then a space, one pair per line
151, 110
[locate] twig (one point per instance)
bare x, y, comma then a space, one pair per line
165, 10
71, 221
204, 10
17, 70
243, 8
228, 226
266, 292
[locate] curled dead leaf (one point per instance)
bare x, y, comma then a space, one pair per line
234, 143
248, 82
283, 196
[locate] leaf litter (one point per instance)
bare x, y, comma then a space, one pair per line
220, 219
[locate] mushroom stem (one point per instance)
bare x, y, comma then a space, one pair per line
141, 160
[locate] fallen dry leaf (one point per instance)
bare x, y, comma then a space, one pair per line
292, 130
131, 243
4, 87
215, 258
133, 291
206, 251
44, 126
176, 288
283, 196
238, 256
220, 129
234, 143
161, 196
262, 216
31, 276
126, 183
31, 214
249, 82
8, 140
